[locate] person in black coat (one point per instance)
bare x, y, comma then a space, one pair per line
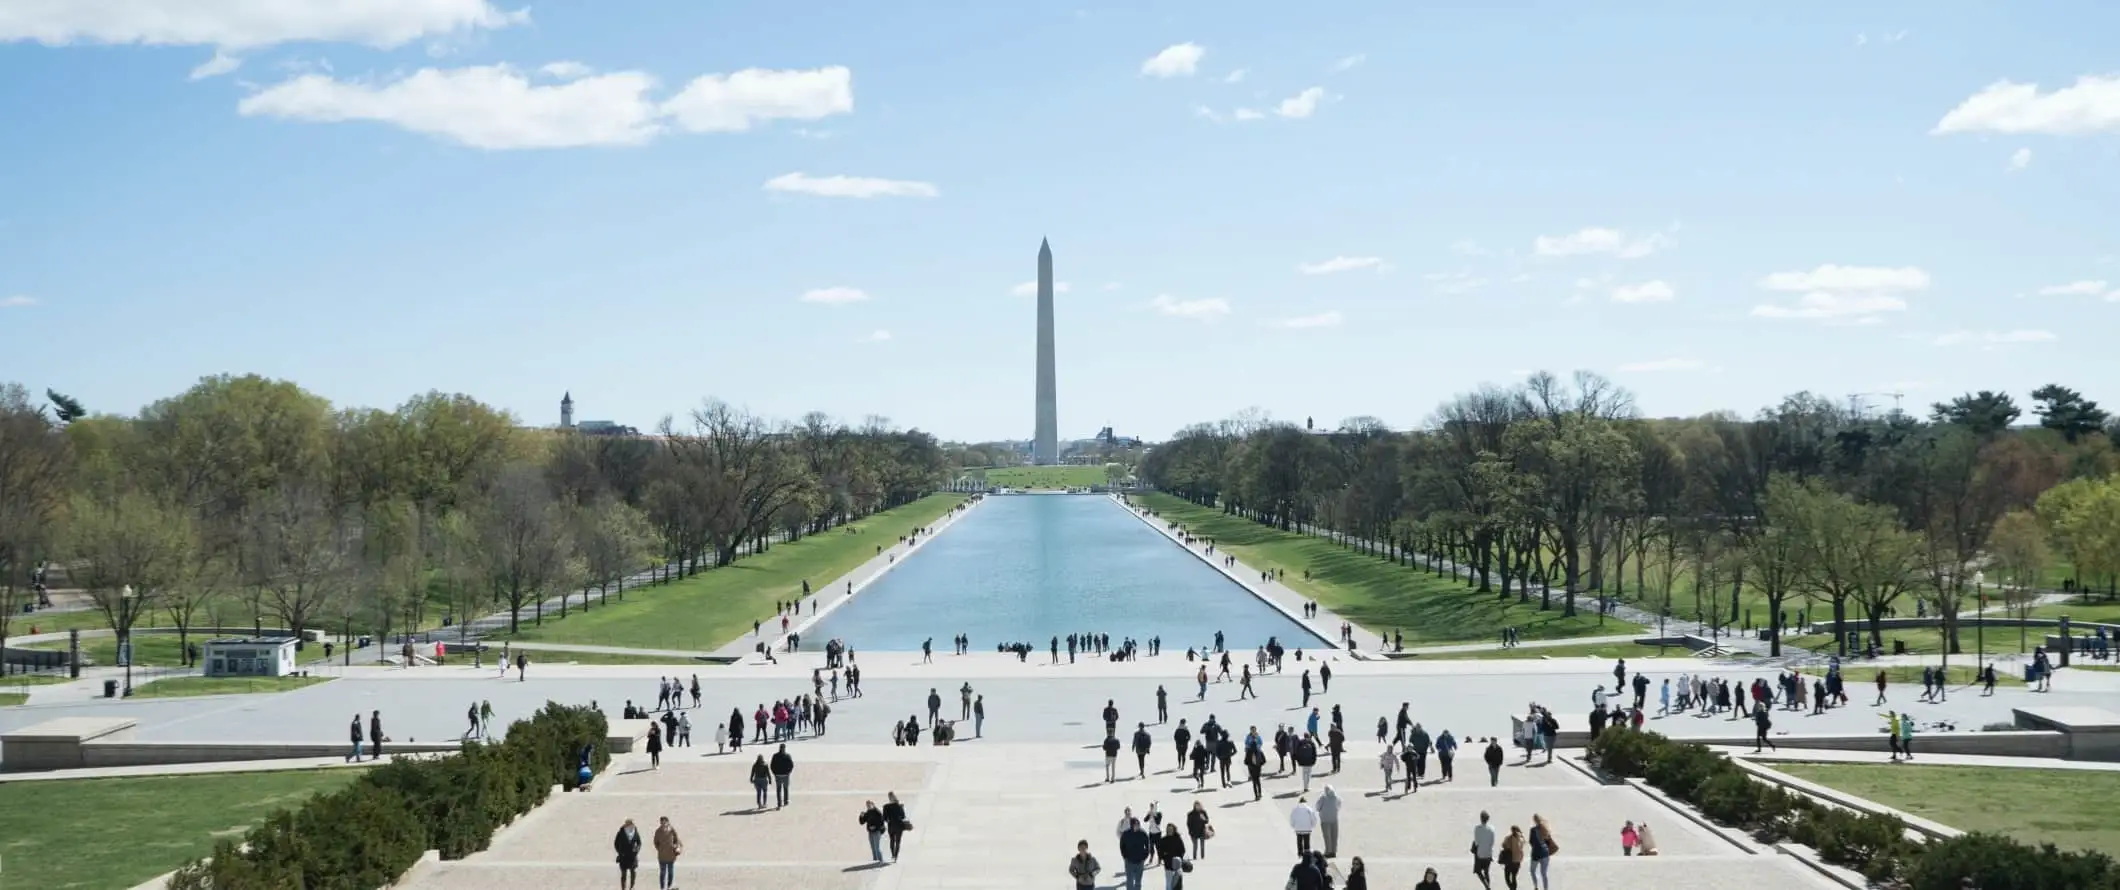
1142, 743
1305, 876
735, 730
627, 845
894, 822
655, 746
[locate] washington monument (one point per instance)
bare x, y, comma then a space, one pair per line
1045, 443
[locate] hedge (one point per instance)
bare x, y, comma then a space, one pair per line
366, 835
1875, 845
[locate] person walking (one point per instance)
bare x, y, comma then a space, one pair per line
1199, 828
655, 746
355, 754
668, 846
1142, 743
1386, 762
1111, 758
1305, 875
1254, 767
895, 824
761, 777
1170, 848
472, 731
375, 735
1357, 876
485, 719
1303, 820
872, 824
1446, 746
1083, 868
1543, 847
1329, 821
627, 846
1761, 722
783, 770
1512, 856
1494, 758
1482, 850
721, 737
1306, 757
1135, 848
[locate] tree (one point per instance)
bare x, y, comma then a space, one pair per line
1775, 557
65, 408
524, 540
1830, 570
299, 553
1884, 562
616, 540
130, 550
2019, 553
2067, 411
2082, 516
1985, 413
742, 472
35, 464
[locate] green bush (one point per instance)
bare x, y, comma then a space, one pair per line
366, 835
1874, 845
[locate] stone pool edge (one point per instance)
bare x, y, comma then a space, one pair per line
1324, 639
935, 530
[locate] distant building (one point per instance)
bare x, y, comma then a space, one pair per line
590, 427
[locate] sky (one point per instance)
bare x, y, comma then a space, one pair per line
1360, 208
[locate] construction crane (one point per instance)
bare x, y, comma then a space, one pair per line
1855, 401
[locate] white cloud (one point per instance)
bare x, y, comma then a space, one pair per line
1349, 62
1236, 76
851, 186
1596, 240
1455, 282
1205, 309
1300, 105
221, 63
1177, 60
245, 24
834, 296
1341, 264
2091, 105
1030, 288
18, 301
1659, 365
877, 336
1645, 292
733, 103
1842, 294
497, 107
2020, 159
1330, 319
2073, 289
1993, 339
566, 70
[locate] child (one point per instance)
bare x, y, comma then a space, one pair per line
1628, 839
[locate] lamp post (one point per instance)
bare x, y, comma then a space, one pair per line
125, 595
1980, 625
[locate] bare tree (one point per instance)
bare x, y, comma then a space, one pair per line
300, 553
131, 550
33, 477
747, 475
524, 540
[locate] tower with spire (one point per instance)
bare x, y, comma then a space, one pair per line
566, 411
1045, 440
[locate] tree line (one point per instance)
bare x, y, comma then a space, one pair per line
1559, 489
253, 497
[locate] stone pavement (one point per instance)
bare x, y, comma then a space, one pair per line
1008, 815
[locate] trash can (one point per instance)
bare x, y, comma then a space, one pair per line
110, 689
2031, 674
1899, 647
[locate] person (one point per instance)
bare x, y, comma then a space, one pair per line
1761, 722
1446, 746
1135, 847
1543, 846
1385, 762
1494, 761
1182, 737
1628, 838
1162, 705
1305, 875
627, 846
485, 719
1357, 875
979, 717
1142, 743
872, 823
655, 746
1648, 840
1170, 848
783, 769
1329, 821
1483, 850
1199, 828
721, 737
1111, 758
761, 776
1428, 881
472, 731
355, 754
895, 824
1303, 820
667, 848
1512, 856
1083, 868
376, 737
1906, 737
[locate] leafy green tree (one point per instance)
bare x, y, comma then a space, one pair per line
2065, 410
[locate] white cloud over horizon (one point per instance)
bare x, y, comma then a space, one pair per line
221, 63
1595, 241
1203, 309
834, 296
17, 301
850, 186
1994, 339
1176, 60
876, 336
1340, 264
2073, 289
2090, 105
1842, 294
247, 24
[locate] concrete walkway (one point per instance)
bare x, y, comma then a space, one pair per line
1288, 602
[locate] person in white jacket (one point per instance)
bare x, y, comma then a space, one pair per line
1329, 821
1303, 820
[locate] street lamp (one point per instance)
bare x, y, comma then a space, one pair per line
1980, 625
125, 608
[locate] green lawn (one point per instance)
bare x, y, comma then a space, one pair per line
13, 698
109, 834
153, 650
178, 687
1376, 594
1929, 640
1046, 478
1575, 650
42, 679
2099, 610
2071, 809
707, 610
47, 621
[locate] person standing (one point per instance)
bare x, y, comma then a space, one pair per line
1162, 705
1543, 847
1482, 850
1357, 876
1305, 875
964, 700
1446, 746
1199, 828
355, 754
934, 703
1335, 745
627, 846
1135, 848
1111, 717
1494, 761
895, 824
1303, 820
1428, 881
1083, 868
667, 848
1142, 743
1182, 737
979, 717
1329, 821
655, 745
522, 667
783, 770
1254, 765
1306, 689
375, 735
872, 824
1891, 735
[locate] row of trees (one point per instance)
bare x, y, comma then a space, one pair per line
254, 494
1557, 488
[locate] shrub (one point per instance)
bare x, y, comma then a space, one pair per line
367, 834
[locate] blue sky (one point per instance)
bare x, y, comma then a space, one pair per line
1360, 208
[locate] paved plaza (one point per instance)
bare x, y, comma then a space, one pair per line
1008, 815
